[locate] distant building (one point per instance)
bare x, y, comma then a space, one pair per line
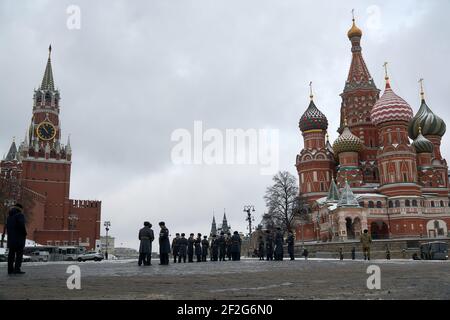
126, 253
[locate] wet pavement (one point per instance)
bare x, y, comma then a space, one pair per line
245, 279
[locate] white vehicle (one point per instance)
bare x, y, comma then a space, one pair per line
40, 256
3, 257
90, 256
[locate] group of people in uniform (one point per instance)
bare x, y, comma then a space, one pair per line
272, 247
224, 247
221, 248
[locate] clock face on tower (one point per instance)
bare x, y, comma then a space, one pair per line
46, 131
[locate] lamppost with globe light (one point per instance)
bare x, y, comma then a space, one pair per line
107, 224
249, 209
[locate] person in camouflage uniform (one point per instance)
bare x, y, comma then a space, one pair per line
366, 241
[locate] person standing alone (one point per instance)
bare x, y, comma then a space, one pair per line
164, 244
366, 241
17, 234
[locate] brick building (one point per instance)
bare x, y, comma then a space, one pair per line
385, 171
42, 165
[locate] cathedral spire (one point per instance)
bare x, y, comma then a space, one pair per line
386, 75
11, 156
47, 80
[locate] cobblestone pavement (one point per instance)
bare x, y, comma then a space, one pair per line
246, 279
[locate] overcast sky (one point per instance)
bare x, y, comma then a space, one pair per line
138, 70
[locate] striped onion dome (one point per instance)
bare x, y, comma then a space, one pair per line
422, 144
313, 119
347, 142
431, 124
390, 107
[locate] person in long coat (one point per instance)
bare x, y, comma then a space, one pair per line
182, 248
164, 244
214, 248
261, 248
175, 247
205, 247
269, 245
236, 246
279, 245
198, 247
290, 243
222, 246
17, 234
190, 251
146, 237
228, 243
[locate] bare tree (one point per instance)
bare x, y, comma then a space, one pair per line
11, 192
283, 201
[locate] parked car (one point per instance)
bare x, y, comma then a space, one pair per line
90, 256
26, 259
436, 250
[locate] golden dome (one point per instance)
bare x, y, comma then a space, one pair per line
354, 31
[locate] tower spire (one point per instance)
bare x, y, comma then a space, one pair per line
386, 75
422, 92
311, 95
47, 80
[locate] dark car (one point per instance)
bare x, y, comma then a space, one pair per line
436, 250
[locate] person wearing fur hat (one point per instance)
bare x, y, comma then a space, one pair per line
164, 244
146, 237
17, 234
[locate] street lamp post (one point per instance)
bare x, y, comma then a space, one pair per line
72, 218
318, 227
107, 224
249, 209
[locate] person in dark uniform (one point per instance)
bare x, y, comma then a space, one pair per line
353, 253
341, 254
269, 245
222, 246
198, 247
290, 243
190, 251
205, 247
17, 234
261, 248
236, 246
279, 245
182, 248
146, 237
164, 244
305, 254
228, 243
175, 247
214, 248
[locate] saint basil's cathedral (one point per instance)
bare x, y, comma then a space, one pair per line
384, 173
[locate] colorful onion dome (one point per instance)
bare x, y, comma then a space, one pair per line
347, 142
422, 144
313, 119
431, 124
390, 107
354, 31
